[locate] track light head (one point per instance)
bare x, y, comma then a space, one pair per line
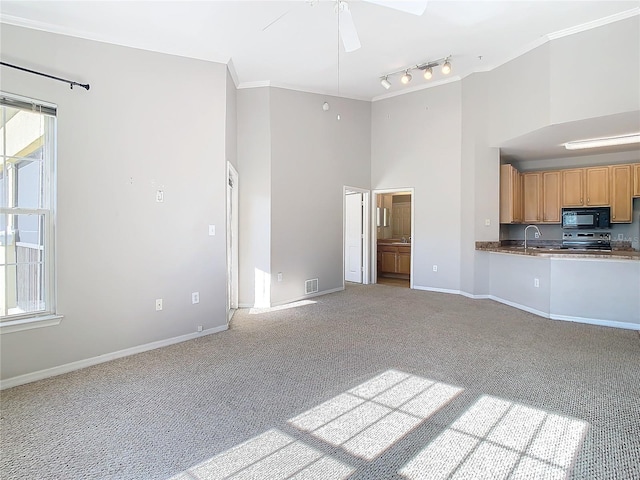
406, 78
428, 73
385, 83
446, 67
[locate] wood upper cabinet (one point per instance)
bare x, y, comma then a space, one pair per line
597, 186
636, 180
585, 187
510, 194
551, 189
541, 197
573, 187
621, 198
532, 197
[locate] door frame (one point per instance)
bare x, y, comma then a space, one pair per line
232, 240
374, 232
366, 232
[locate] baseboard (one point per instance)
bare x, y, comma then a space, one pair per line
597, 321
519, 306
311, 295
439, 290
475, 297
70, 367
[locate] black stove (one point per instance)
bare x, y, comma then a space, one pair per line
577, 240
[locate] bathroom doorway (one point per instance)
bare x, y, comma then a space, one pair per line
394, 237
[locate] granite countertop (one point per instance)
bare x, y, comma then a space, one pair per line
552, 249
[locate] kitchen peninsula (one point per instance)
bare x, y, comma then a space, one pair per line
595, 287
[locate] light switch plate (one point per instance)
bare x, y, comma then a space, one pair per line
212, 230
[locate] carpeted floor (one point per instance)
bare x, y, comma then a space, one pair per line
374, 382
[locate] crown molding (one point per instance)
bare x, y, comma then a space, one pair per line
594, 24
267, 83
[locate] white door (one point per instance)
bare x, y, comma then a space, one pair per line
353, 238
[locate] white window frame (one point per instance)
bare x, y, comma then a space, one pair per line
48, 316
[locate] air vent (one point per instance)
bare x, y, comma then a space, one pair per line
311, 286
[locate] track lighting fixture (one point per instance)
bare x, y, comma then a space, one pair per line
426, 67
446, 67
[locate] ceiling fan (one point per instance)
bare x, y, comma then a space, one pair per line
347, 28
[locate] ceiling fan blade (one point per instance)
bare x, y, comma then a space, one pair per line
414, 7
348, 32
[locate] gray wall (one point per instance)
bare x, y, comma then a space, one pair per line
231, 122
596, 72
314, 156
254, 164
150, 121
416, 142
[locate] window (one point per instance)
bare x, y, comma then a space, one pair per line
27, 201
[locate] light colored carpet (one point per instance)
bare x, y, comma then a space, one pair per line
375, 382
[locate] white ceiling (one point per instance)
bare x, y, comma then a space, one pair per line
301, 50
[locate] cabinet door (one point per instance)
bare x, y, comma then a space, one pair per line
389, 262
597, 186
551, 197
404, 260
636, 180
532, 189
621, 198
572, 187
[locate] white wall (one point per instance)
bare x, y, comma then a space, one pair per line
314, 156
150, 121
416, 142
254, 170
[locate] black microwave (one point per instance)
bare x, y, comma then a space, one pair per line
592, 217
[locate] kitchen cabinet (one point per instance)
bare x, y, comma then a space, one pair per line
621, 198
636, 180
573, 187
551, 189
597, 186
532, 197
510, 194
541, 197
395, 259
585, 187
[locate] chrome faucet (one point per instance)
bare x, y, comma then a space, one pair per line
525, 233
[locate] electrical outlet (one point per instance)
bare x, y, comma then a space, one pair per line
536, 282
159, 196
435, 268
195, 297
536, 234
212, 230
279, 276
487, 222
158, 304
199, 328
621, 236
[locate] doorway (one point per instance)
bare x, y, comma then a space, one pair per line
392, 245
356, 235
232, 241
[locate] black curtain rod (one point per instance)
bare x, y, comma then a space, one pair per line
70, 82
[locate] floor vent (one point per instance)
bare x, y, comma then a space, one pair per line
311, 286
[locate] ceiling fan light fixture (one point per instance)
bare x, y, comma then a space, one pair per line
428, 73
385, 83
446, 67
406, 78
